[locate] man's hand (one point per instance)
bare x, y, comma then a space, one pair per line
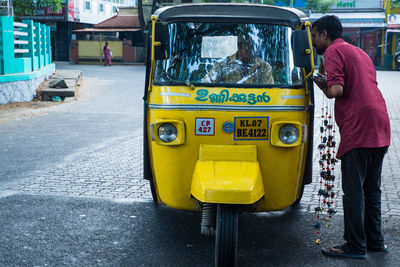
320, 80
321, 84
334, 91
321, 68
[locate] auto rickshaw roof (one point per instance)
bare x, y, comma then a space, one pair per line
231, 13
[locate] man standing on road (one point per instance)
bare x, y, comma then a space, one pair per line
363, 121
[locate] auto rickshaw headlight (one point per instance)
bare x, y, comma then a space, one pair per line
288, 134
167, 132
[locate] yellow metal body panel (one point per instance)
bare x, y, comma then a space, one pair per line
173, 167
227, 174
228, 182
228, 153
169, 95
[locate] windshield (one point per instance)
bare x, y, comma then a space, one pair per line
243, 55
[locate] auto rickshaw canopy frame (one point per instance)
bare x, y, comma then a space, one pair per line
238, 13
231, 12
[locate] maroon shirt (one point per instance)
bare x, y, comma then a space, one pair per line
360, 112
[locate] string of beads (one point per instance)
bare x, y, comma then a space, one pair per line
327, 161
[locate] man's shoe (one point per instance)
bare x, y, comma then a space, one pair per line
383, 248
342, 251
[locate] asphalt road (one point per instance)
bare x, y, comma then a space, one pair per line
59, 231
49, 218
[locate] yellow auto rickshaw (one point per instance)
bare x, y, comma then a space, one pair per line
228, 113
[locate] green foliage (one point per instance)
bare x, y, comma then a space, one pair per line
287, 2
322, 6
319, 5
28, 7
395, 4
277, 2
269, 2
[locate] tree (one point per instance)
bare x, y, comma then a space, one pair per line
28, 7
395, 4
268, 2
319, 5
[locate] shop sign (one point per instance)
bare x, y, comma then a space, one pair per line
341, 4
71, 11
393, 20
345, 4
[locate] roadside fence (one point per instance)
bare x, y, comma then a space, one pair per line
24, 46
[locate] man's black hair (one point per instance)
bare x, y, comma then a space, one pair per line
331, 24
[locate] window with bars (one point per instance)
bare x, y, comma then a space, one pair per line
88, 6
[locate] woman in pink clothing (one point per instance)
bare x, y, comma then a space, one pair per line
107, 55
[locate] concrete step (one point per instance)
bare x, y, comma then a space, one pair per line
71, 78
68, 74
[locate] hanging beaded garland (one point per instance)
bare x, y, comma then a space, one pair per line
327, 161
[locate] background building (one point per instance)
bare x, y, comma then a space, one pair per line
123, 32
363, 25
75, 14
392, 37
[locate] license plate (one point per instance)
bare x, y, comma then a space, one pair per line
251, 128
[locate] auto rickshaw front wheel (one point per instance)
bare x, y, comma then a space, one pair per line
226, 240
153, 192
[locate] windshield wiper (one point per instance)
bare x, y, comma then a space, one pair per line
191, 86
166, 76
170, 79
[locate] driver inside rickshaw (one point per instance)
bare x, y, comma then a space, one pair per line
242, 67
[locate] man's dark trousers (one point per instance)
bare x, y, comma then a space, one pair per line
361, 183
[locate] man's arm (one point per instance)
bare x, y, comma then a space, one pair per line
334, 91
218, 72
213, 75
266, 72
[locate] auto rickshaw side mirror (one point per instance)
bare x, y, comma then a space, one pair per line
301, 49
161, 36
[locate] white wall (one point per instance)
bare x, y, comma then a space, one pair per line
21, 91
94, 15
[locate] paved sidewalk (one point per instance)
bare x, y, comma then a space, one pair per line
114, 170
